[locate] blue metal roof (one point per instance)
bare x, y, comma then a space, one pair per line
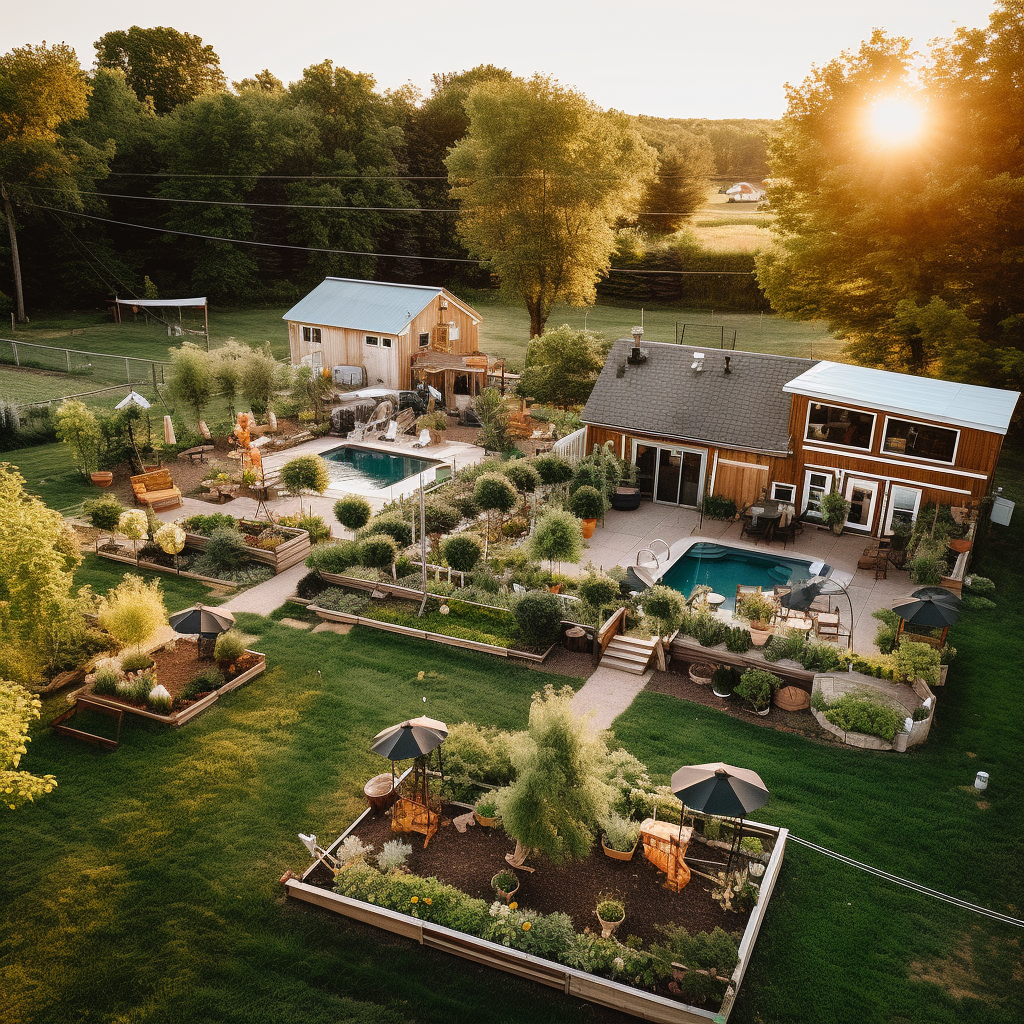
375, 306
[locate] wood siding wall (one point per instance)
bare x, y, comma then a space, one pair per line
389, 367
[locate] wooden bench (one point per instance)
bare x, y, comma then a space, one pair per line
156, 489
199, 452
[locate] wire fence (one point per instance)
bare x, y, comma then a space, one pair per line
94, 367
114, 390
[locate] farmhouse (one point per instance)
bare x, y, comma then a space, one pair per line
745, 425
398, 334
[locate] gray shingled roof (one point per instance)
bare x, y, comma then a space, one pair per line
663, 396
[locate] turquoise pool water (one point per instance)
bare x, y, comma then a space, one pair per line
347, 465
723, 569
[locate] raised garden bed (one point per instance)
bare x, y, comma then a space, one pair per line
176, 666
469, 861
283, 556
115, 555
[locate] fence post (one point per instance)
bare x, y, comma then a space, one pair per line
127, 371
14, 349
67, 352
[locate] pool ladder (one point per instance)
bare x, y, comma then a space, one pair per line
650, 551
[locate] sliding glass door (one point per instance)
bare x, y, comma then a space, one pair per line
672, 476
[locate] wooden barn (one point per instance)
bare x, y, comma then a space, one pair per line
699, 422
399, 333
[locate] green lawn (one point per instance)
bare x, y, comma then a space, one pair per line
179, 592
48, 472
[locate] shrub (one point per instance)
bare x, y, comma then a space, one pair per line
921, 713
522, 475
393, 525
207, 525
557, 537
755, 608
725, 679
752, 846
207, 681
756, 687
133, 524
230, 646
834, 508
133, 611
314, 525
226, 549
587, 474
861, 712
305, 473
517, 526
611, 910
553, 469
440, 517
505, 881
917, 661
477, 753
538, 619
820, 657
379, 551
738, 641
135, 661
587, 503
467, 505
708, 630
104, 513
665, 606
334, 557
885, 638
715, 953
393, 855
927, 569
494, 492
717, 506
352, 512
620, 833
352, 849
462, 552
170, 538
598, 590
105, 681
486, 807
337, 600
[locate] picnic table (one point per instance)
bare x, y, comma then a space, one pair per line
199, 452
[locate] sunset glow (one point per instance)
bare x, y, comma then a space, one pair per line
895, 121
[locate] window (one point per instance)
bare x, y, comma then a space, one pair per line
920, 440
453, 332
903, 505
816, 486
385, 342
835, 425
371, 340
784, 492
311, 335
425, 340
318, 362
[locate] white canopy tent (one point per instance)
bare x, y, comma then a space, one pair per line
179, 304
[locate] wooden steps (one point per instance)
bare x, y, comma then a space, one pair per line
629, 654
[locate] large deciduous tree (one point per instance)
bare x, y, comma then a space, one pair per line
542, 177
562, 366
170, 66
18, 708
911, 248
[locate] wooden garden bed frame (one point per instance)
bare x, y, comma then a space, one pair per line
284, 556
594, 989
177, 718
58, 724
155, 567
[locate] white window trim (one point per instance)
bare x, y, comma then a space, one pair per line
424, 339
373, 341
933, 468
833, 484
836, 444
920, 458
891, 506
791, 487
311, 340
385, 343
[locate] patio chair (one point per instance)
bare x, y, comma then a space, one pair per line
762, 529
826, 626
391, 433
423, 440
788, 532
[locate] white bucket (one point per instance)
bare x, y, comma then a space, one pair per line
981, 781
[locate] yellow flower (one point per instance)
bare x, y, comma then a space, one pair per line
513, 905
527, 926
415, 899
428, 901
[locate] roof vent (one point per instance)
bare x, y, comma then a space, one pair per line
727, 368
635, 355
698, 362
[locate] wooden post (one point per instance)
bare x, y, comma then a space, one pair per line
206, 323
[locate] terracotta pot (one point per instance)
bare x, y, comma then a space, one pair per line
618, 854
759, 637
486, 822
588, 527
555, 588
102, 478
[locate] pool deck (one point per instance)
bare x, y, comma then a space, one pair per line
625, 534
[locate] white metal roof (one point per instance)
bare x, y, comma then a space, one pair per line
945, 401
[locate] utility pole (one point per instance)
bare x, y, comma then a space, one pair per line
19, 295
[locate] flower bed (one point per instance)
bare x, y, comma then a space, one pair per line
280, 547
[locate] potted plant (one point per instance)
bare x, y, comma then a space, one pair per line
627, 494
620, 837
834, 510
587, 504
759, 611
486, 812
724, 681
611, 913
756, 687
505, 884
702, 672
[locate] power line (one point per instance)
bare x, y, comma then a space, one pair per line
370, 177
351, 252
993, 915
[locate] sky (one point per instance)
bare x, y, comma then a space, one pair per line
666, 58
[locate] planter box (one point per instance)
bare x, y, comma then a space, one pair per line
284, 556
154, 567
181, 717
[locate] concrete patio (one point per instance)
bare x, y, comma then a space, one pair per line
625, 534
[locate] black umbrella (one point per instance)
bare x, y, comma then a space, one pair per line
801, 595
722, 790
927, 611
939, 595
206, 623
410, 739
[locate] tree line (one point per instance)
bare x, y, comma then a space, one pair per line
330, 174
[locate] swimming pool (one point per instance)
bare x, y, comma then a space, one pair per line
724, 568
364, 468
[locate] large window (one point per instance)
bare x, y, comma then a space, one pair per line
903, 505
920, 440
784, 492
835, 425
311, 335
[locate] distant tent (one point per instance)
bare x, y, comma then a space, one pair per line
177, 330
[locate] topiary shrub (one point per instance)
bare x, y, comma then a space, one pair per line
379, 551
557, 537
352, 512
440, 517
462, 552
665, 606
522, 475
393, 525
494, 493
104, 513
553, 469
598, 590
307, 473
467, 505
587, 503
538, 620
226, 549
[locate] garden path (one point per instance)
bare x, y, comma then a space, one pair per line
606, 694
267, 597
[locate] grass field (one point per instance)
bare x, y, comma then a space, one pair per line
48, 472
179, 592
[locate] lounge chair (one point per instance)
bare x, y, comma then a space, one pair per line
423, 440
392, 432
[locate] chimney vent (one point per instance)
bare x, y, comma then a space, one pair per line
635, 355
727, 369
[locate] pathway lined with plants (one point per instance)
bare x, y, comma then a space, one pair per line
606, 694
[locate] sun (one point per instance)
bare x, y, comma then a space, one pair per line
895, 121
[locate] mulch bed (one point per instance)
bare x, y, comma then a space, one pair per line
677, 683
469, 861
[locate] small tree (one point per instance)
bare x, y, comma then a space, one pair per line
587, 503
523, 475
353, 512
562, 366
538, 619
134, 525
598, 590
553, 469
493, 492
306, 473
557, 538
259, 377
228, 362
18, 708
104, 513
462, 551
78, 428
666, 606
192, 377
490, 409
133, 611
557, 799
170, 538
309, 389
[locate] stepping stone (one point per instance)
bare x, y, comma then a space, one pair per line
295, 623
333, 627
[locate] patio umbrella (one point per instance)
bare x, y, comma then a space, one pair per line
928, 610
413, 739
206, 623
722, 790
940, 595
